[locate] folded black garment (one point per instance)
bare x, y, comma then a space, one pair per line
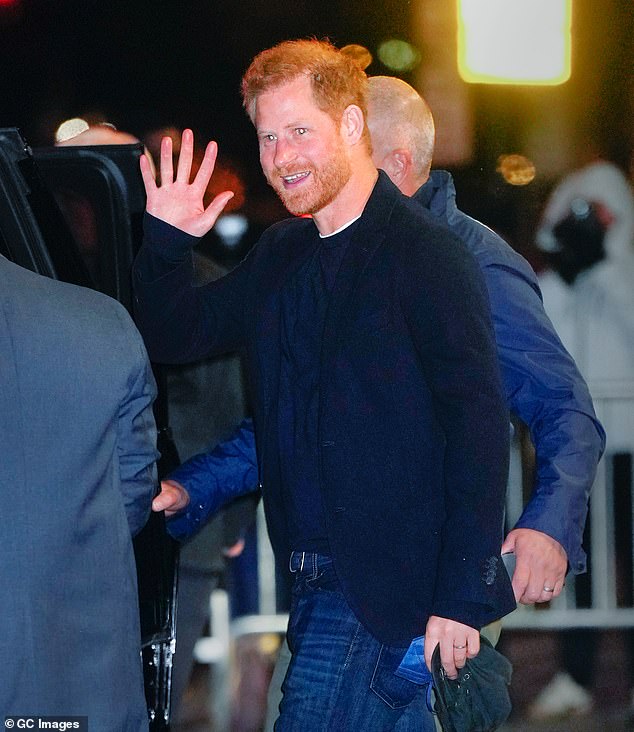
478, 700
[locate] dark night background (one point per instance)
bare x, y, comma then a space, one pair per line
146, 64
155, 63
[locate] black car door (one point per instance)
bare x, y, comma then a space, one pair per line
74, 214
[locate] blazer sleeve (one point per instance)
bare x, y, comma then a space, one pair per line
182, 323
446, 305
136, 434
546, 391
214, 478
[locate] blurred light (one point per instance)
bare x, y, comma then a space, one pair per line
514, 41
269, 643
516, 170
359, 54
398, 55
70, 128
231, 228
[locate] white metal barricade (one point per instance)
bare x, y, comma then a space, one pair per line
608, 608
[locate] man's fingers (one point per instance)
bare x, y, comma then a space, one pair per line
539, 590
508, 547
541, 563
172, 498
559, 586
215, 208
549, 590
520, 580
185, 157
466, 647
162, 502
447, 652
539, 587
473, 644
460, 650
430, 645
148, 175
167, 165
203, 176
457, 641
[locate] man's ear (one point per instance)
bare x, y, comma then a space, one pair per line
352, 124
397, 164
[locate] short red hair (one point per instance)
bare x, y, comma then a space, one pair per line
336, 80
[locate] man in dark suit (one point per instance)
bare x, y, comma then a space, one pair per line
382, 433
77, 475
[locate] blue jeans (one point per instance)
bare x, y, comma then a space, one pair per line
340, 678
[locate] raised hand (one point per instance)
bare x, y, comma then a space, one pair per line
177, 201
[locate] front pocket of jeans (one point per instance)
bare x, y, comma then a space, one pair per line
326, 579
395, 691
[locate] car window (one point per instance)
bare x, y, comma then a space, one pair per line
99, 191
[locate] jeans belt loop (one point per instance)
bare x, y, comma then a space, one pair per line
293, 556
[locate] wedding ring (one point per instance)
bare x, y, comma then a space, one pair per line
459, 647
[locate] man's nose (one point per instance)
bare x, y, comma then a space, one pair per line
284, 154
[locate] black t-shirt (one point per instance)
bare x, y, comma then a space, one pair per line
304, 303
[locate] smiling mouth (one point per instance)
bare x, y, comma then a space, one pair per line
290, 180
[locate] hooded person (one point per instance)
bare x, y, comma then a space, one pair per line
587, 233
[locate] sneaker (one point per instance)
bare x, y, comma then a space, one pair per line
561, 697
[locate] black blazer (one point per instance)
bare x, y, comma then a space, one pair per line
413, 427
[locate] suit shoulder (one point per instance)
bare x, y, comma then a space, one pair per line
62, 305
284, 238
99, 305
290, 227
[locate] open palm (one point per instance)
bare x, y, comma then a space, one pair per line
177, 201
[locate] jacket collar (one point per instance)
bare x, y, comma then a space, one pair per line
438, 195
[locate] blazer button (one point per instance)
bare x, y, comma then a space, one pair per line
489, 570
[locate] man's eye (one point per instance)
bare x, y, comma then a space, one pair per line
301, 130
267, 138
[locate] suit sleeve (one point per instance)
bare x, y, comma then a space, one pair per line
214, 478
182, 323
447, 308
137, 435
546, 391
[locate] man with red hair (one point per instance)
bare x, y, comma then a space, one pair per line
382, 433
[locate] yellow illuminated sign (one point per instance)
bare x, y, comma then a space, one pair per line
514, 41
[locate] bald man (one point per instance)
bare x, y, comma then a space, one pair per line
542, 384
